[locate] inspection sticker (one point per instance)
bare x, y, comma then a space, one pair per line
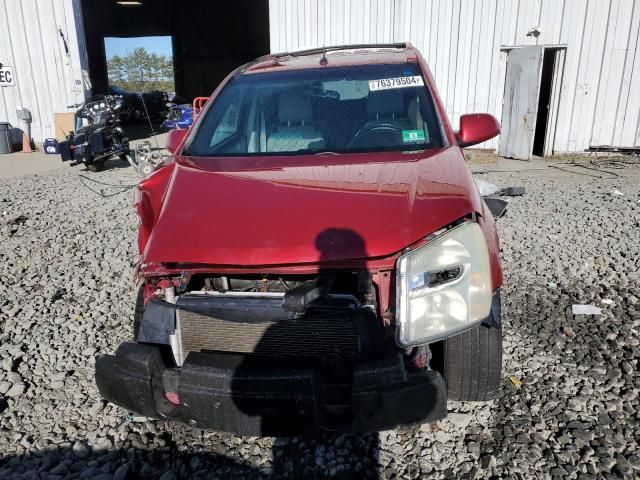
396, 82
409, 136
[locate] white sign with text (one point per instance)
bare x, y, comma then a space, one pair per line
6, 76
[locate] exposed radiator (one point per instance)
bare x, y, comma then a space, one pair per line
306, 337
313, 335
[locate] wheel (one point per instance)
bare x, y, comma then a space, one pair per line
138, 312
146, 168
473, 363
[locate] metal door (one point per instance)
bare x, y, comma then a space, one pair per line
520, 107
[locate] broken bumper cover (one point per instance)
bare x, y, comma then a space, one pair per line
224, 393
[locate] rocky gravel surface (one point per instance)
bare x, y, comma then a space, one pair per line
568, 406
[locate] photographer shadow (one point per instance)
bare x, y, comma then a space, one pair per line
310, 440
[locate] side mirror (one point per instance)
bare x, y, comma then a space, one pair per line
477, 128
174, 139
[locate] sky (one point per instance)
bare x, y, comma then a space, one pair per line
121, 46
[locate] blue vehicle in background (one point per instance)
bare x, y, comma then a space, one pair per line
179, 116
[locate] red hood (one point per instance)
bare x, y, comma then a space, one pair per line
306, 209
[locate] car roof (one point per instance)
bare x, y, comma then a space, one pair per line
335, 56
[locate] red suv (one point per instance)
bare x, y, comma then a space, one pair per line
315, 255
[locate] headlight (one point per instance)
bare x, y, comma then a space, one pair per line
443, 287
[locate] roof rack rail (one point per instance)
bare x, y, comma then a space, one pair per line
311, 51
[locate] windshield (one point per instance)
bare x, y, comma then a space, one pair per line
341, 109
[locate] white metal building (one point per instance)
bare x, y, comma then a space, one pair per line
595, 94
562, 75
42, 43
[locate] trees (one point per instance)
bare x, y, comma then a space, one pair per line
117, 70
141, 71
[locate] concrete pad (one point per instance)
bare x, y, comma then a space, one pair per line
20, 164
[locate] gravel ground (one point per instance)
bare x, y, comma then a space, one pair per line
568, 406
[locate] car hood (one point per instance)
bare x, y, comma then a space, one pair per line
261, 211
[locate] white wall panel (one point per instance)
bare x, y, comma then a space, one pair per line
617, 36
462, 41
572, 36
48, 76
551, 17
628, 115
591, 64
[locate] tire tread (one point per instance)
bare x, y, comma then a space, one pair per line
473, 364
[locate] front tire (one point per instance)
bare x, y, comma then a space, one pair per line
473, 364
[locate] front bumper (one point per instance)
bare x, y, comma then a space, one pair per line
230, 393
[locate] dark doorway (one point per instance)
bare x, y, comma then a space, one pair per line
548, 83
209, 38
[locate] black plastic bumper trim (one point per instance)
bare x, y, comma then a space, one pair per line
225, 393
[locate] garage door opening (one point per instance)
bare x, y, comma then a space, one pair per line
140, 64
209, 39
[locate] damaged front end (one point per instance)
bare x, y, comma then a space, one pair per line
272, 355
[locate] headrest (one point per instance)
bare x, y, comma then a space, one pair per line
385, 103
294, 108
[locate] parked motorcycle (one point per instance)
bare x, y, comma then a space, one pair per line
101, 138
141, 107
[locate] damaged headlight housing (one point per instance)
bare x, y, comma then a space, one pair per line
443, 287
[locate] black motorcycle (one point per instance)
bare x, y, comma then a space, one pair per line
141, 107
101, 138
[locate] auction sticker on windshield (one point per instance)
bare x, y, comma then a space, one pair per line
396, 82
